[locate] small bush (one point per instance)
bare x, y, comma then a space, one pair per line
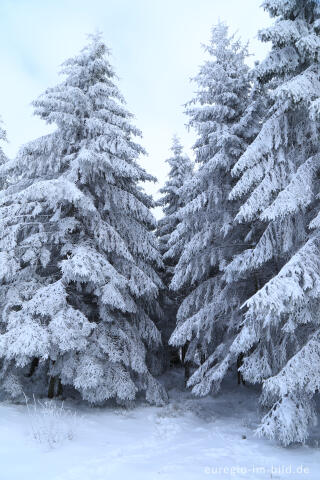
51, 424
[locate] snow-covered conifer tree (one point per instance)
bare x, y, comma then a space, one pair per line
79, 284
236, 285
279, 185
206, 231
3, 158
171, 202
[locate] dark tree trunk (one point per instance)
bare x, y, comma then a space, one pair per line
185, 362
239, 363
174, 357
34, 365
51, 391
60, 388
186, 373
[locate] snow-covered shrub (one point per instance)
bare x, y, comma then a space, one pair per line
50, 422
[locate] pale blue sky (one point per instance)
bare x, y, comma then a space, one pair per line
156, 47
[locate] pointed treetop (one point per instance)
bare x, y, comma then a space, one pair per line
3, 135
176, 147
219, 34
220, 41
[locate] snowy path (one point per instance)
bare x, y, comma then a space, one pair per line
189, 440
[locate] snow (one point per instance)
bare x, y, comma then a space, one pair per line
88, 296
187, 439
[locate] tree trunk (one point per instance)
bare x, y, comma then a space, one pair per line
51, 392
59, 389
239, 363
34, 365
185, 363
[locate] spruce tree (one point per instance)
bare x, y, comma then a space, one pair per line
279, 185
171, 201
6, 260
211, 307
238, 285
79, 296
3, 158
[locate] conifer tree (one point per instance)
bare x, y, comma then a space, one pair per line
206, 230
279, 185
80, 283
4, 264
237, 284
3, 158
172, 201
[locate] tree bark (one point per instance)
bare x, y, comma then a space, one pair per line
239, 363
185, 363
59, 389
52, 382
34, 365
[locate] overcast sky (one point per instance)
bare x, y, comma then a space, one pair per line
156, 49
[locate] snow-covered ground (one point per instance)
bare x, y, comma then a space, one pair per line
189, 439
